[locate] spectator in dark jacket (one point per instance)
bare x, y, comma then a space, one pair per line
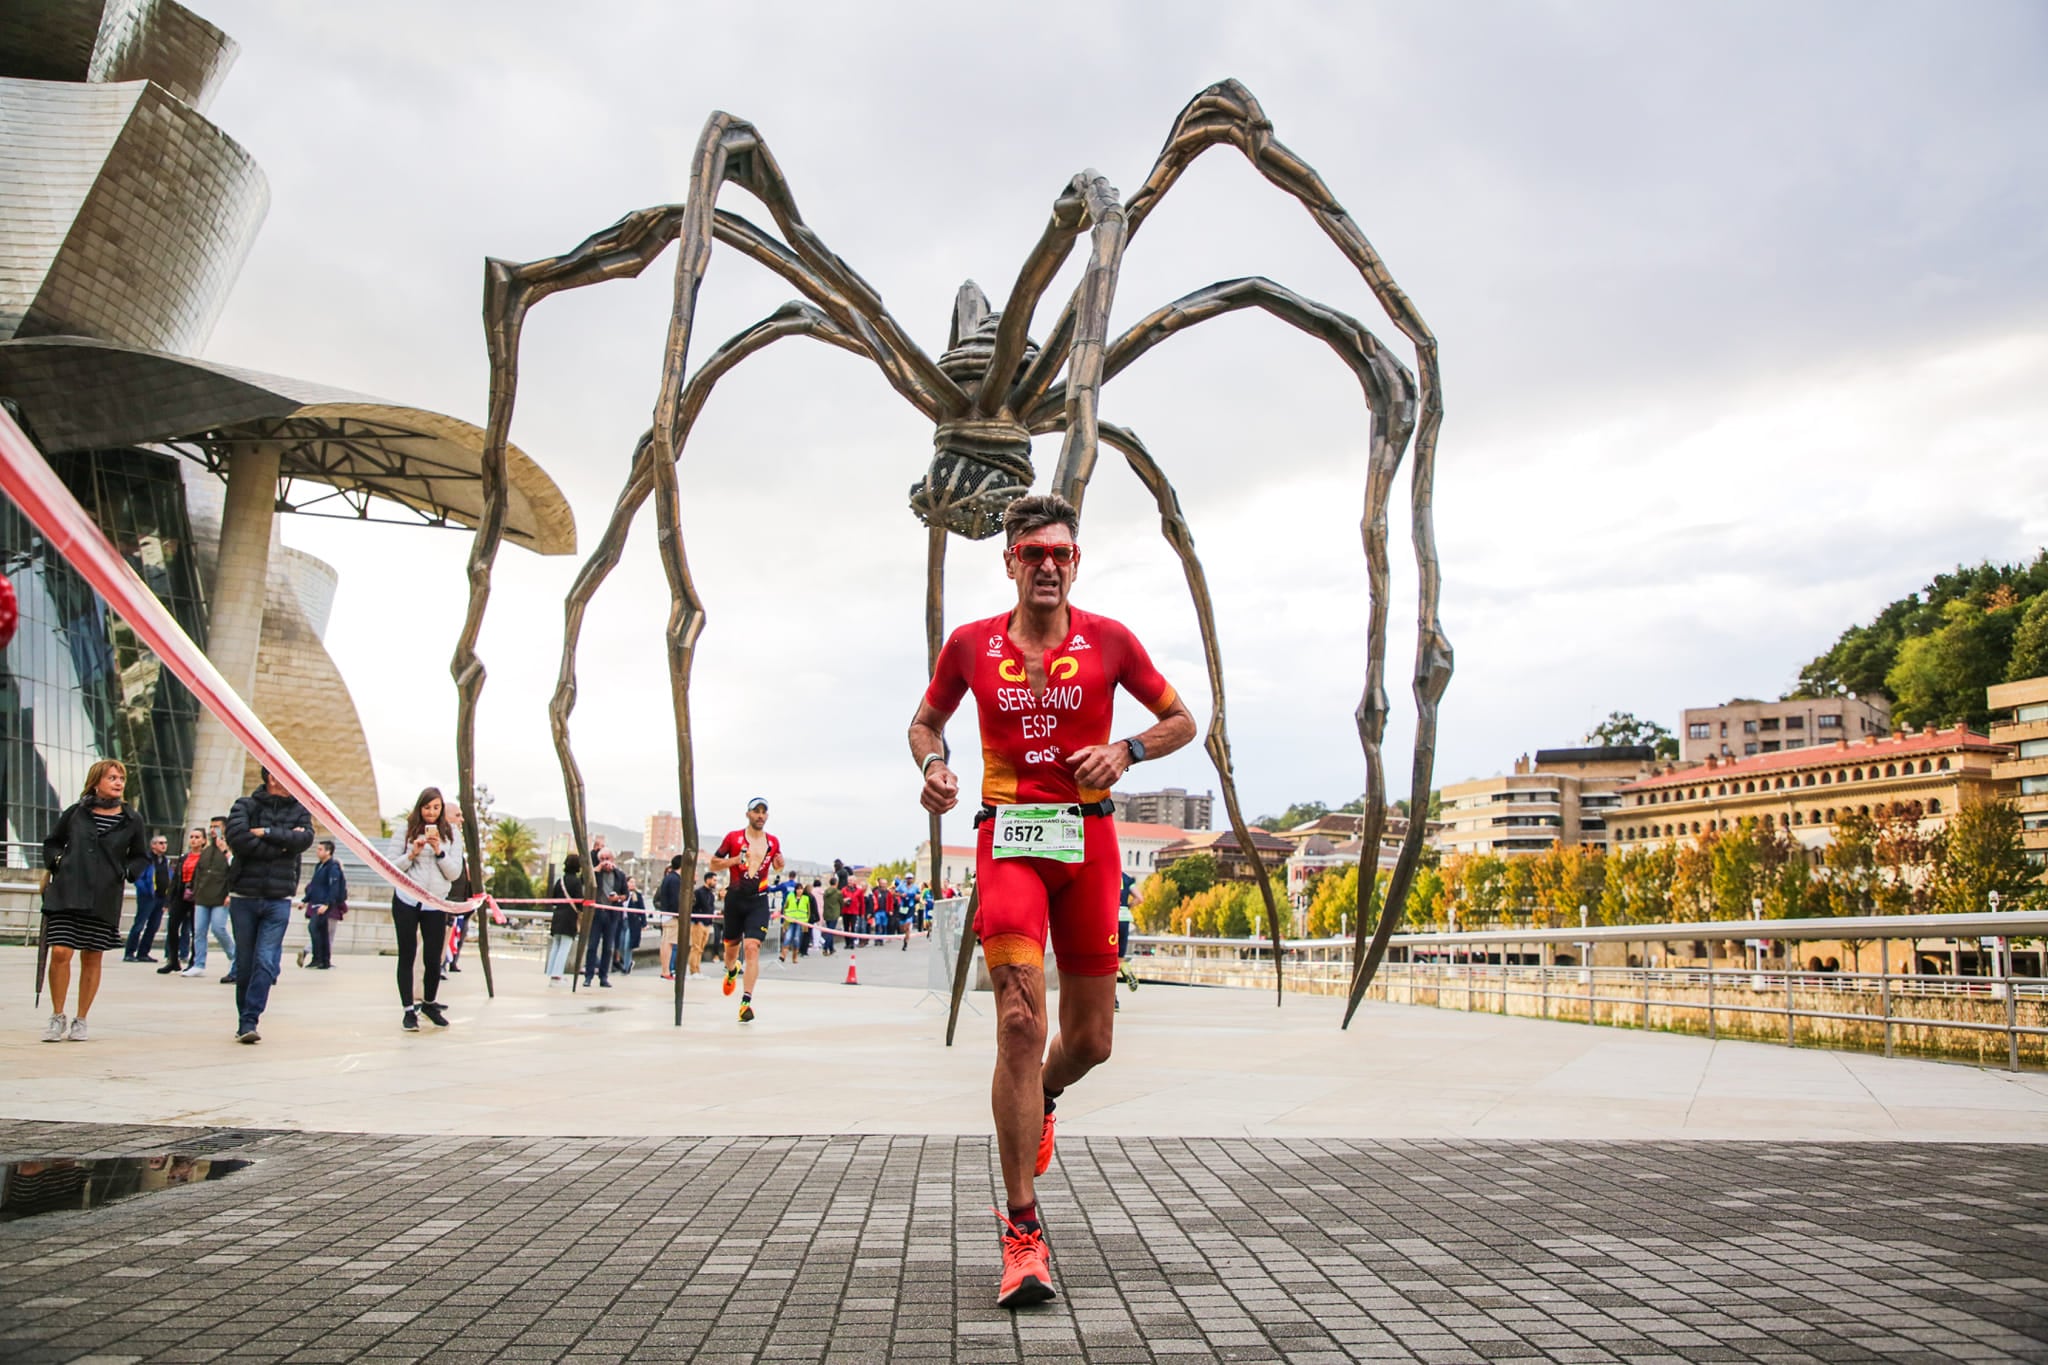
151, 898
326, 903
668, 905
269, 831
178, 904
567, 894
210, 900
608, 889
96, 847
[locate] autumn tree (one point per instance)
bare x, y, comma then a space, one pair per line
1335, 904
1982, 853
1152, 909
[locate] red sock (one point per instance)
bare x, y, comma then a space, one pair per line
1026, 1218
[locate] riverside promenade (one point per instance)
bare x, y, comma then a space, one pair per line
568, 1177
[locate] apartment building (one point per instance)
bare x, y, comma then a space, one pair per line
1172, 806
1744, 729
661, 836
1564, 797
1805, 791
2025, 770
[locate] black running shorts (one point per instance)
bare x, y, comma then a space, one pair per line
746, 915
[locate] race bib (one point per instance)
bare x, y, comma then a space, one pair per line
1053, 832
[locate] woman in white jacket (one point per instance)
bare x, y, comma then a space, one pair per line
430, 853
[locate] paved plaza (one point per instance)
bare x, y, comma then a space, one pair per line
568, 1177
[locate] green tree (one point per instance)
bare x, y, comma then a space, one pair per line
1298, 813
510, 842
1863, 658
1940, 677
510, 882
1425, 898
1622, 727
1193, 874
1483, 888
2030, 643
1982, 853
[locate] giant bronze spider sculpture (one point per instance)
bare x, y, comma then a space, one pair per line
991, 391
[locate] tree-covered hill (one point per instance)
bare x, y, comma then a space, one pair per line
1934, 652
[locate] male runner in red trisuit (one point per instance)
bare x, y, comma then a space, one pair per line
1044, 678
748, 854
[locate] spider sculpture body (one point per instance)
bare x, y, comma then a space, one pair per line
988, 394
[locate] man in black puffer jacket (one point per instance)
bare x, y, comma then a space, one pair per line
268, 830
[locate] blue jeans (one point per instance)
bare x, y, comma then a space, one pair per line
597, 949
622, 941
214, 919
559, 948
259, 928
142, 934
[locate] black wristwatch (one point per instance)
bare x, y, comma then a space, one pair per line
1137, 748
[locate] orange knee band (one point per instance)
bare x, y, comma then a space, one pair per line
1013, 950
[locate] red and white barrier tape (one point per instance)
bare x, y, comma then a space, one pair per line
26, 477
499, 917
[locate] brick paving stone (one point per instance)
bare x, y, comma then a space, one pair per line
341, 1247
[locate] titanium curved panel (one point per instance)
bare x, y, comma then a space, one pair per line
152, 250
79, 394
156, 40
125, 40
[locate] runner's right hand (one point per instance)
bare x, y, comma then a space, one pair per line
941, 789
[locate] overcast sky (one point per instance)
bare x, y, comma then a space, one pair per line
1741, 313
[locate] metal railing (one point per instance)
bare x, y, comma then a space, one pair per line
1474, 968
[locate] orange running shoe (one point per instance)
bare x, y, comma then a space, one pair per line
1045, 1146
732, 976
1027, 1276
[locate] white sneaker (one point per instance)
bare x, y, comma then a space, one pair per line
193, 971
54, 1031
77, 1034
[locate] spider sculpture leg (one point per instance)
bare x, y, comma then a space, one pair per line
1173, 525
963, 959
1227, 113
728, 148
792, 319
934, 641
1390, 397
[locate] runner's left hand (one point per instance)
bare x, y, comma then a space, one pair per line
1099, 765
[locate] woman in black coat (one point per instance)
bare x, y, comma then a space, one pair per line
95, 849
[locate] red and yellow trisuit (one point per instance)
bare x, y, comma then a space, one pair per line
1025, 740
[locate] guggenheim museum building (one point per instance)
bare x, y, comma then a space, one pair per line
125, 216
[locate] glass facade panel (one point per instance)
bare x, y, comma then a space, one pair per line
77, 684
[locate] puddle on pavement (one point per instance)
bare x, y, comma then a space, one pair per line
28, 1188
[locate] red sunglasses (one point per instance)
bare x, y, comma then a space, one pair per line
1034, 554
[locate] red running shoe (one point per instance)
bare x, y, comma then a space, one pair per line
1027, 1276
1045, 1146
732, 976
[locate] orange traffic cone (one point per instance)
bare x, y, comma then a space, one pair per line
852, 976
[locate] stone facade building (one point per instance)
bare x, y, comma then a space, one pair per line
1803, 792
